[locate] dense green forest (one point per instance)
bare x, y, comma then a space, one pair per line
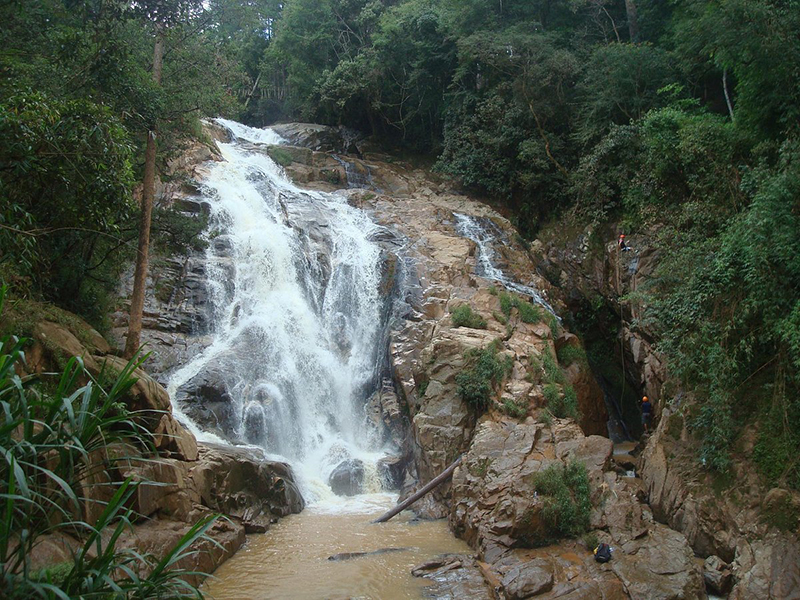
675, 118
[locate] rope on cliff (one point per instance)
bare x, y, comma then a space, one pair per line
435, 482
621, 334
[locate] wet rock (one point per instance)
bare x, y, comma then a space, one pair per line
392, 470
527, 579
660, 566
173, 441
233, 480
205, 400
158, 536
453, 577
320, 137
717, 576
767, 568
347, 479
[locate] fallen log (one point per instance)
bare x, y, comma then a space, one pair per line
351, 555
435, 482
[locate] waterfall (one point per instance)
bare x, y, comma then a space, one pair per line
297, 317
485, 234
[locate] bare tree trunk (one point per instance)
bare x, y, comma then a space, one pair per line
725, 89
436, 481
253, 91
148, 196
633, 21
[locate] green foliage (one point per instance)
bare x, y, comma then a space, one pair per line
569, 354
464, 316
567, 502
782, 514
621, 85
56, 438
590, 540
724, 308
528, 313
546, 418
280, 156
484, 372
514, 409
552, 372
66, 187
563, 404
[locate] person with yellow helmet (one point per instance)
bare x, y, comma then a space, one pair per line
647, 413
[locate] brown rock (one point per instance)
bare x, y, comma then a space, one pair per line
172, 439
527, 579
717, 576
58, 345
768, 568
146, 395
234, 481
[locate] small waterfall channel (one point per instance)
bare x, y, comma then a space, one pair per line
486, 234
298, 342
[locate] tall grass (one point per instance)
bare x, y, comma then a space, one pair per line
55, 465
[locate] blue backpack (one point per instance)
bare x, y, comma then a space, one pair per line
603, 553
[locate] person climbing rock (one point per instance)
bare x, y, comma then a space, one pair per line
647, 412
621, 243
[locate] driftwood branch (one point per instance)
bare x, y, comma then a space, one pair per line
435, 482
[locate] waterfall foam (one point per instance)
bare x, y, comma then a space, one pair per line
293, 280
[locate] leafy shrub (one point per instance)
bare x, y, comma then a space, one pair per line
48, 434
65, 194
280, 155
500, 318
528, 313
563, 404
591, 540
486, 370
552, 372
464, 316
506, 303
546, 418
566, 495
514, 409
569, 354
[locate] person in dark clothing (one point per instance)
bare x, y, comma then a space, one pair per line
647, 413
621, 243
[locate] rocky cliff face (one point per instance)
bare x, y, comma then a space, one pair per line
728, 522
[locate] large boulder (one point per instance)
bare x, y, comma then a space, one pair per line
205, 399
241, 483
347, 479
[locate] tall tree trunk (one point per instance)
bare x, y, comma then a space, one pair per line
633, 21
725, 89
148, 196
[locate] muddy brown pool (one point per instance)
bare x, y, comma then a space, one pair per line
291, 560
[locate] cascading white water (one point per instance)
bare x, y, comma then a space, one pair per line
485, 235
294, 286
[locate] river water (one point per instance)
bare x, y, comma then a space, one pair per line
291, 561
